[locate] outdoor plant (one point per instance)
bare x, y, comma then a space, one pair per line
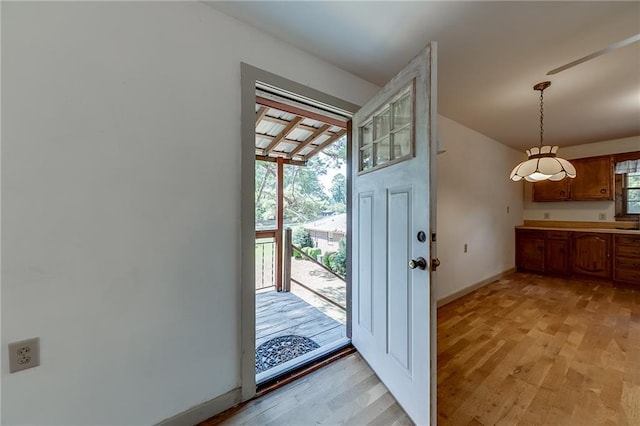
339, 259
327, 258
301, 238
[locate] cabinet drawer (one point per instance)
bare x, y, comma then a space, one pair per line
627, 276
628, 263
628, 251
628, 239
530, 233
558, 235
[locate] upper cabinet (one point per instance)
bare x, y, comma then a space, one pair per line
593, 181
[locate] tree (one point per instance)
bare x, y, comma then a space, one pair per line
339, 188
339, 259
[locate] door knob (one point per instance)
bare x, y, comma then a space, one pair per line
419, 263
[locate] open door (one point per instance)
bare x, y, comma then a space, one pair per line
393, 221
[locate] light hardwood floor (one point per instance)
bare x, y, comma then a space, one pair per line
344, 392
536, 350
526, 349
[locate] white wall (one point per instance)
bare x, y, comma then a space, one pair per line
474, 192
580, 210
121, 203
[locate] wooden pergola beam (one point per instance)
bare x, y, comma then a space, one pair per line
262, 111
326, 143
301, 112
315, 135
292, 125
284, 160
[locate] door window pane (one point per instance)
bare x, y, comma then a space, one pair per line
382, 151
366, 136
382, 123
402, 143
366, 158
402, 112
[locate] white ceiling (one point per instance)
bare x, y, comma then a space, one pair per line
490, 54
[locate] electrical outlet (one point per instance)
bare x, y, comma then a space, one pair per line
24, 354
465, 248
547, 215
602, 216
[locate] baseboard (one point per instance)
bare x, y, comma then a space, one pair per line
473, 287
206, 410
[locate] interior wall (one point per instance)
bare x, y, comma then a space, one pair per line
121, 203
477, 205
580, 210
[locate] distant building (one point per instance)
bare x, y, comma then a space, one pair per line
327, 232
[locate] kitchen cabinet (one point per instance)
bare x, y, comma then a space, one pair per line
530, 250
626, 261
557, 253
593, 181
548, 190
591, 254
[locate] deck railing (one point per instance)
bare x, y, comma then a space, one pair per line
266, 256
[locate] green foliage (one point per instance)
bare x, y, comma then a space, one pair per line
339, 259
326, 259
301, 237
339, 188
312, 252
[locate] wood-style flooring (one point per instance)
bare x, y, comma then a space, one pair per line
283, 313
526, 349
536, 350
344, 392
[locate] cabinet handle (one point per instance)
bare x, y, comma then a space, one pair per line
603, 191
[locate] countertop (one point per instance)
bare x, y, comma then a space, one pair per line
599, 230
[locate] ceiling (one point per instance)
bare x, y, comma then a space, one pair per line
490, 54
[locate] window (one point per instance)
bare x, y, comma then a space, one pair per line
627, 186
631, 193
387, 137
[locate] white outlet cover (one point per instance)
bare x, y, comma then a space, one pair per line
24, 354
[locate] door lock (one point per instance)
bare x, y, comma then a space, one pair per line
419, 263
435, 263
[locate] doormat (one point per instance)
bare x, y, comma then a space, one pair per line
282, 349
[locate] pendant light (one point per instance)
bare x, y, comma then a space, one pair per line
543, 162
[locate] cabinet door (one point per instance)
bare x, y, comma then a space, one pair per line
530, 250
591, 254
557, 256
594, 179
551, 191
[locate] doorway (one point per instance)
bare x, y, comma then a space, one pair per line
324, 105
300, 209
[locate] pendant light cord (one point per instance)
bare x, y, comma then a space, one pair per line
541, 118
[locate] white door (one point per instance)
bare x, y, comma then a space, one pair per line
393, 218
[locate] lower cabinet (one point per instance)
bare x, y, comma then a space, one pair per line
530, 250
626, 261
557, 253
591, 254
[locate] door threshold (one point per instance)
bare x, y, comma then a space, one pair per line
332, 353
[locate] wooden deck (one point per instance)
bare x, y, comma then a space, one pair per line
281, 314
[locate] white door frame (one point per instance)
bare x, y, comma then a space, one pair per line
246, 267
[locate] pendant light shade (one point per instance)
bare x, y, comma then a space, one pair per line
543, 162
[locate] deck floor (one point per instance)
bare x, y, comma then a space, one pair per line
281, 314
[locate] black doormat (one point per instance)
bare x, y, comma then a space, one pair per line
282, 349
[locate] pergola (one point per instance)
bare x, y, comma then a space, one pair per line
290, 133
